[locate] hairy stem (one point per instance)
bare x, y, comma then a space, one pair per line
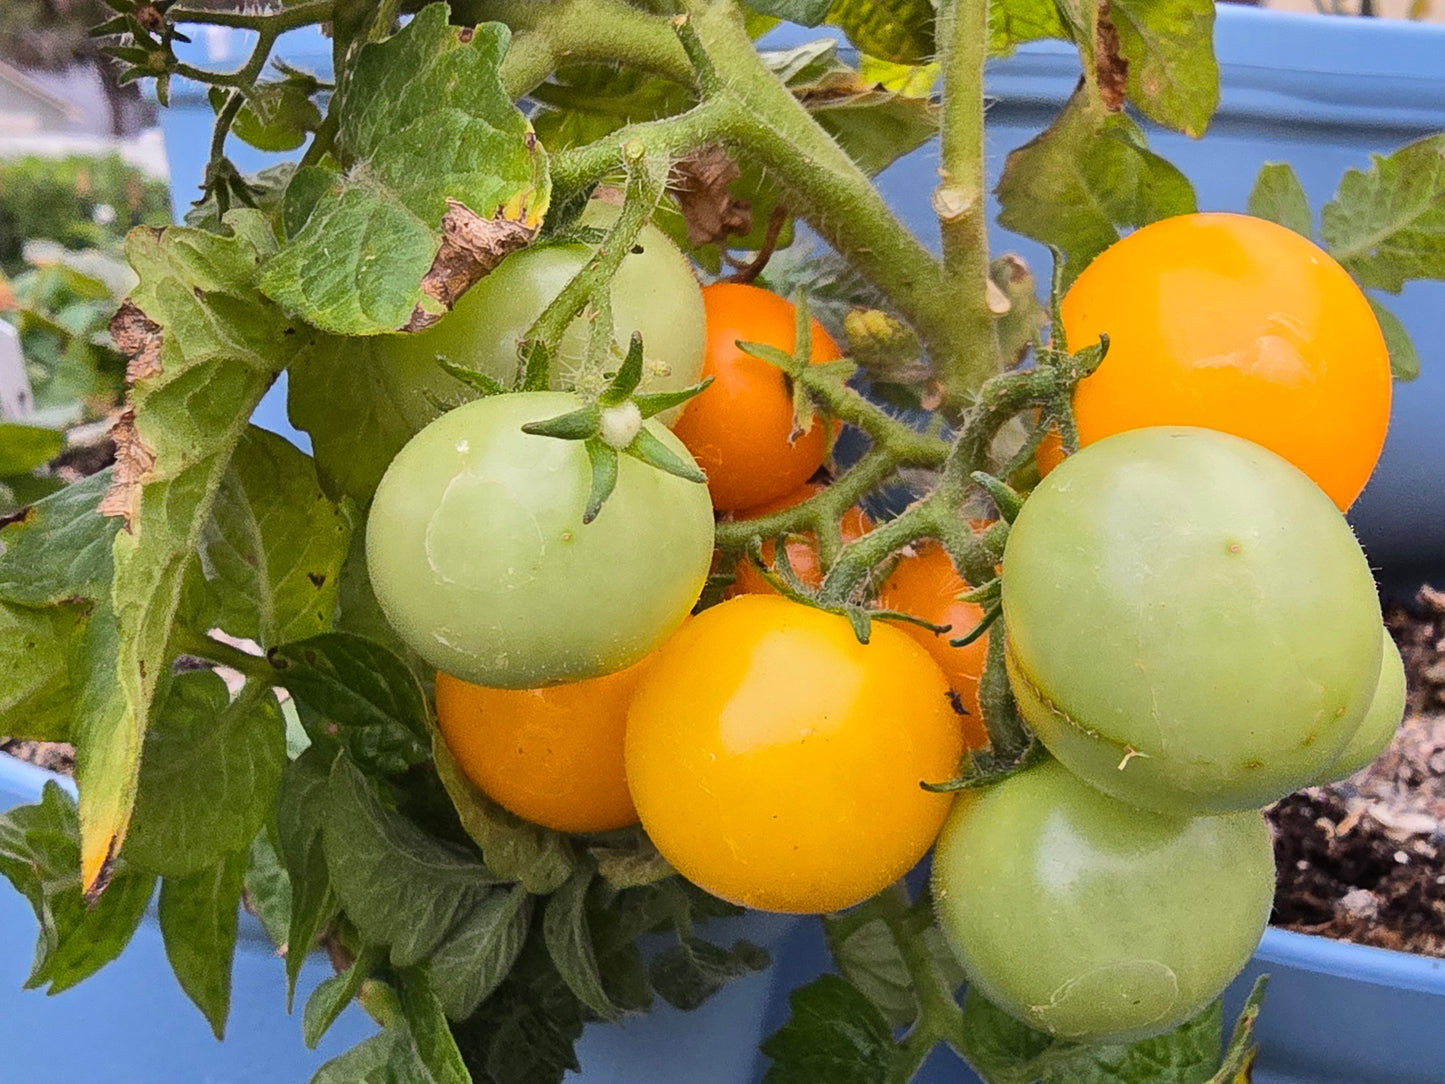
280, 20
960, 201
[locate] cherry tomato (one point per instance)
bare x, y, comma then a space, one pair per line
925, 584
481, 562
1377, 730
1090, 919
1192, 626
1238, 324
552, 755
740, 430
776, 761
802, 549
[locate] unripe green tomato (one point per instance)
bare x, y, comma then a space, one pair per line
654, 292
1192, 626
481, 562
1387, 708
1091, 920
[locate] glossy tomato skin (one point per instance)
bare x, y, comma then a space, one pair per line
1192, 626
802, 549
480, 560
1092, 920
553, 755
654, 292
925, 584
1235, 323
739, 429
776, 762
1377, 729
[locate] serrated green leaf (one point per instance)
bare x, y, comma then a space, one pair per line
25, 447
40, 856
1404, 358
1013, 22
208, 777
365, 1063
268, 890
269, 560
1187, 1055
834, 1034
1278, 196
896, 30
803, 12
198, 926
1239, 1055
479, 951
36, 699
208, 347
1002, 1049
278, 116
569, 943
513, 849
331, 996
1173, 77
357, 265
632, 866
435, 1047
868, 957
690, 972
1085, 178
585, 102
368, 694
60, 549
1387, 224
300, 817
400, 886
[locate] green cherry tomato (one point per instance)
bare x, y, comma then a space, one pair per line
654, 292
1092, 920
1192, 626
1387, 708
481, 562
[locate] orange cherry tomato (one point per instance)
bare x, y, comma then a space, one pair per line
739, 430
802, 549
1234, 323
776, 761
925, 584
1050, 452
553, 756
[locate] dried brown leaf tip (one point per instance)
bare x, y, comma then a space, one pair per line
133, 462
700, 182
139, 338
471, 247
1111, 70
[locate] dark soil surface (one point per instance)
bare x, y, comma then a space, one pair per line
1362, 860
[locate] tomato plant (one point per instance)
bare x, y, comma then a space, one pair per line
477, 549
741, 429
1235, 323
551, 755
1167, 639
802, 549
1090, 919
776, 761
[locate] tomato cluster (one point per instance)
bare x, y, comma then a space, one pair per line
1191, 628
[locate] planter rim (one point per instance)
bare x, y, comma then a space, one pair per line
1347, 960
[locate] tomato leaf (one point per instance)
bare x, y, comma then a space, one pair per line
198, 916
204, 346
368, 696
1013, 22
330, 997
270, 556
1387, 224
569, 943
400, 886
481, 950
1003, 1050
633, 864
513, 849
300, 816
835, 1034
690, 972
381, 1059
268, 889
1086, 177
25, 447
1278, 196
1404, 358
40, 856
372, 255
896, 30
59, 549
1187, 1055
1239, 1055
867, 955
278, 114
805, 12
435, 1047
1173, 77
209, 775
36, 700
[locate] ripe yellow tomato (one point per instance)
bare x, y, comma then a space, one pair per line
775, 761
1234, 323
552, 756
